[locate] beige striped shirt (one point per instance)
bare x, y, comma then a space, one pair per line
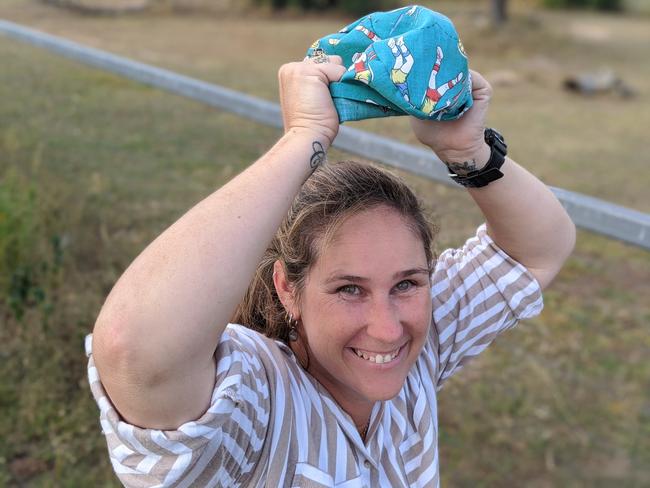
270, 424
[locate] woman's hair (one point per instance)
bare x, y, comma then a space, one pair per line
333, 193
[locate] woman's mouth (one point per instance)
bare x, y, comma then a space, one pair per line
377, 358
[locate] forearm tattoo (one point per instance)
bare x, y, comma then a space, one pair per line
464, 168
319, 157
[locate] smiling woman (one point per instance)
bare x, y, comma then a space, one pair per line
293, 328
363, 289
366, 329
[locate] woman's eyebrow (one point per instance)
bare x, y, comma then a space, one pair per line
411, 272
346, 277
360, 279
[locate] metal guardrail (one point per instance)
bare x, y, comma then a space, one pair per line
587, 212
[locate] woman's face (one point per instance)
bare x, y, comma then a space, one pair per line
366, 308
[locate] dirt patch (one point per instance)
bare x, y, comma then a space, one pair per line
24, 468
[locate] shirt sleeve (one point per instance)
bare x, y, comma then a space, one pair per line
220, 448
478, 292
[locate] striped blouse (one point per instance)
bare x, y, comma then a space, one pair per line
271, 424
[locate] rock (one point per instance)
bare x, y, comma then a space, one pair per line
597, 83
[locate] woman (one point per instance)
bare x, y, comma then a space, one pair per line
368, 325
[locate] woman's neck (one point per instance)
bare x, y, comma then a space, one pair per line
359, 409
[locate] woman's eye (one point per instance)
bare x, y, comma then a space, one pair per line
349, 290
404, 285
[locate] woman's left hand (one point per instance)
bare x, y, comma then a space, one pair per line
462, 139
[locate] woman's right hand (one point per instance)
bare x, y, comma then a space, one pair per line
305, 98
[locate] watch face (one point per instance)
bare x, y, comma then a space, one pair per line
496, 140
491, 134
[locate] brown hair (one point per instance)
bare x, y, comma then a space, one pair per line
333, 193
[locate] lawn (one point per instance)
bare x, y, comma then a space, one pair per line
93, 167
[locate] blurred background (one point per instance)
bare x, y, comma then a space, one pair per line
93, 167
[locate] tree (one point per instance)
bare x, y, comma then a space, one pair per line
499, 11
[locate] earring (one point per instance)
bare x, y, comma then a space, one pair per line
293, 331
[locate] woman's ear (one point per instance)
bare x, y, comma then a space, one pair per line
284, 288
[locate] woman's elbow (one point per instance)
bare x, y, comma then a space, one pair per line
565, 243
111, 347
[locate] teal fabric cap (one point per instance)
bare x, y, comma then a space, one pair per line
409, 61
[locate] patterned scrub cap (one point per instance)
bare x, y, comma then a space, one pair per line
409, 61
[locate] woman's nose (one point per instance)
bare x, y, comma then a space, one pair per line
384, 322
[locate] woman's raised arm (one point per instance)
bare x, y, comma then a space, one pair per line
523, 216
154, 339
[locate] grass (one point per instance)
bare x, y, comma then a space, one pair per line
93, 167
101, 179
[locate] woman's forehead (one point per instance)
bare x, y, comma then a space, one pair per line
358, 222
377, 236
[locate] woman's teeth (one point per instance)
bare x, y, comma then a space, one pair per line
377, 358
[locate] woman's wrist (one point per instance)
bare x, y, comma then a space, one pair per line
308, 135
309, 144
464, 162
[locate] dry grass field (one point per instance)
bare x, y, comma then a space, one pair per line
92, 167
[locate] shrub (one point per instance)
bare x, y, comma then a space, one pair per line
356, 7
29, 258
592, 4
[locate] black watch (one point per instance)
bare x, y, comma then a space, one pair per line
491, 171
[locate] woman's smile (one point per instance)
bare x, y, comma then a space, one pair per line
389, 358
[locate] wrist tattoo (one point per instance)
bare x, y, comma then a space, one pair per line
319, 157
464, 168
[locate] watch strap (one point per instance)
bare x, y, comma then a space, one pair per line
492, 169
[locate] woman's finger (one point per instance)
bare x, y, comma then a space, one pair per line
332, 71
480, 86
